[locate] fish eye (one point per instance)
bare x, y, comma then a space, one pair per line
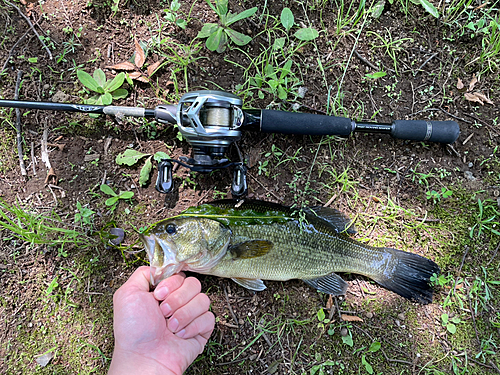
171, 228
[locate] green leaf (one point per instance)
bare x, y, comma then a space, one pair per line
306, 34
107, 190
368, 367
286, 69
160, 155
111, 201
116, 82
287, 19
378, 9
348, 340
100, 77
87, 80
452, 328
222, 44
231, 18
129, 157
282, 93
207, 30
119, 94
279, 43
129, 80
374, 347
430, 8
238, 38
321, 315
126, 194
106, 98
181, 23
145, 172
222, 8
215, 39
444, 318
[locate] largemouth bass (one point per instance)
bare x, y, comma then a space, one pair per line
256, 241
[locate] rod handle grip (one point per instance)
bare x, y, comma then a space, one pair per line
427, 131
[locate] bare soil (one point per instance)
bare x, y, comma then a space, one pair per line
380, 181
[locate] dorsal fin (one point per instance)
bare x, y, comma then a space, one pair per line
251, 249
332, 218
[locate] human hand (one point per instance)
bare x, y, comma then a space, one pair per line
148, 343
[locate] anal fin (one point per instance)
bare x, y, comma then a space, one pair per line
331, 284
252, 284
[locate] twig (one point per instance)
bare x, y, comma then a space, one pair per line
11, 51
473, 320
18, 127
269, 191
364, 60
455, 117
230, 308
425, 62
460, 270
33, 160
493, 256
32, 28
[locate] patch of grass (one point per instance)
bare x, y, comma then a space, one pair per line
7, 140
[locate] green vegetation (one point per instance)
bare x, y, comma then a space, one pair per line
106, 90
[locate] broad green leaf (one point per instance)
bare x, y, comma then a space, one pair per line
348, 340
145, 172
100, 77
368, 367
221, 7
175, 5
238, 38
119, 94
222, 43
207, 30
287, 19
111, 201
279, 43
282, 93
106, 98
107, 190
126, 194
116, 82
374, 347
430, 8
321, 315
215, 39
160, 155
378, 9
232, 18
452, 328
306, 34
181, 23
444, 318
87, 80
129, 80
286, 69
129, 157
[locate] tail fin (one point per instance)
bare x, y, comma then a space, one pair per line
410, 276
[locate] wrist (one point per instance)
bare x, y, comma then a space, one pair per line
126, 362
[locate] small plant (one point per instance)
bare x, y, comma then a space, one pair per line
436, 196
483, 224
217, 35
450, 323
112, 202
374, 347
131, 157
172, 16
84, 214
322, 319
106, 90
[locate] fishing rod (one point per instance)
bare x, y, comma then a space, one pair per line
211, 121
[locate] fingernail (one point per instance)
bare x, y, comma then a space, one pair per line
161, 293
165, 309
173, 324
181, 333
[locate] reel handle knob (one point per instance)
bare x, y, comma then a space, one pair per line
164, 181
239, 187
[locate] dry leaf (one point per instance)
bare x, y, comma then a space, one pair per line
351, 318
152, 68
143, 78
460, 84
483, 97
126, 65
135, 75
329, 303
472, 82
473, 98
140, 58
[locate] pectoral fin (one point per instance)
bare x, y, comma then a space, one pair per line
251, 249
252, 284
331, 284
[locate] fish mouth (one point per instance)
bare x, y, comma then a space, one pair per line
162, 258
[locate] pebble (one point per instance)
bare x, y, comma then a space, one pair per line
343, 332
401, 316
369, 315
469, 176
470, 165
46, 86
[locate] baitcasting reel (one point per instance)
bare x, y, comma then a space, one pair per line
210, 122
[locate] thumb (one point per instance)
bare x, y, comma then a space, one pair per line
139, 280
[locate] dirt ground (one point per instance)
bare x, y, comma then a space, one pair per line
57, 299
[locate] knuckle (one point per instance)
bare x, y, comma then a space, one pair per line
194, 283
